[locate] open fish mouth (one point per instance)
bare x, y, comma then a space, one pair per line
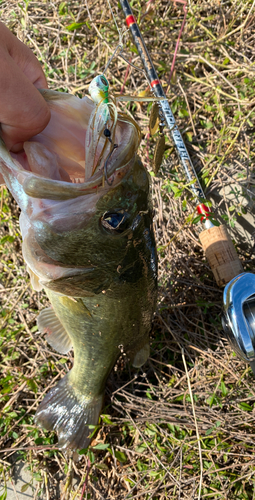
66, 160
62, 173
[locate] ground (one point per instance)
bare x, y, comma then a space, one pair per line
182, 427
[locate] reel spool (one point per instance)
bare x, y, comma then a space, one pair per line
238, 319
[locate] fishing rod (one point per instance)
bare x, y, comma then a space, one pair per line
166, 111
239, 305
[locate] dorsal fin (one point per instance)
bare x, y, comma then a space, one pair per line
57, 336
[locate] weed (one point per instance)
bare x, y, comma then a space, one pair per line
146, 444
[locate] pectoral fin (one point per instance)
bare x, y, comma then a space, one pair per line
57, 336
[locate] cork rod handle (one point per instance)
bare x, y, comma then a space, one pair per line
221, 254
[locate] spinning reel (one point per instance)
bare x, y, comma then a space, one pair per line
238, 319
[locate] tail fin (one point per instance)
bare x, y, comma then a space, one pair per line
69, 413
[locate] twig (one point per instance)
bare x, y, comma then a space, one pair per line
125, 77
14, 489
179, 36
35, 497
34, 448
195, 420
86, 478
13, 307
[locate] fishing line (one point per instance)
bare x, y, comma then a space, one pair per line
120, 44
120, 48
115, 22
115, 146
98, 90
107, 133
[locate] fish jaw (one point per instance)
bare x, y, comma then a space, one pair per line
48, 178
52, 165
83, 260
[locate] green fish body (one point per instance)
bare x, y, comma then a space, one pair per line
90, 244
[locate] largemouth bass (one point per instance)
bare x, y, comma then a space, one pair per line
86, 223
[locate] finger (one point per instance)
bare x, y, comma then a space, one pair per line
23, 57
23, 111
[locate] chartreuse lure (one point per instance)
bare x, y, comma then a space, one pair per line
102, 123
99, 89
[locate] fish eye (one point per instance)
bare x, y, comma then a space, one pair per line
115, 221
104, 81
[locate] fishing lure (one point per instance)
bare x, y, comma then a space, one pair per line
102, 124
99, 90
101, 128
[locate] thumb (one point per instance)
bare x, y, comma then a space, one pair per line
23, 111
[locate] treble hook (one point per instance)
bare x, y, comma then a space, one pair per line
107, 134
115, 146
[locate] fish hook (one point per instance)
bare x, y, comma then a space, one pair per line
107, 134
115, 146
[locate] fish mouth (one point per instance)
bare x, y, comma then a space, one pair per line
54, 163
59, 178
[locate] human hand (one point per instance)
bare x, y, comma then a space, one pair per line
23, 111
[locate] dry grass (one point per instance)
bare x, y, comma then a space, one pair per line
185, 422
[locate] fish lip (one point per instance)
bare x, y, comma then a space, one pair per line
36, 186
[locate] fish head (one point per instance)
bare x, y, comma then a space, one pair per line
81, 200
